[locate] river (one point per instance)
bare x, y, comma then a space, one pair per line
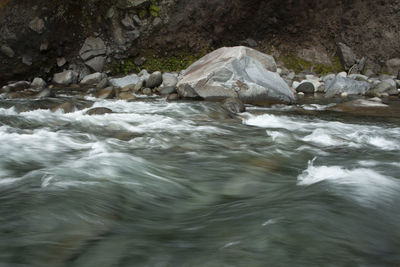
183, 184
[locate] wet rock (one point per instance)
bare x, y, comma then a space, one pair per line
126, 96
235, 72
358, 77
66, 77
155, 79
346, 55
96, 63
93, 78
98, 111
37, 25
132, 79
171, 97
17, 86
38, 83
393, 66
168, 90
106, 93
169, 80
147, 91
306, 87
102, 84
234, 105
66, 107
47, 92
341, 84
92, 47
6, 50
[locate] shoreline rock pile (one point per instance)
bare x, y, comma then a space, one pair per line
234, 75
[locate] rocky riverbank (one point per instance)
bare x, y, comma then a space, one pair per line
236, 76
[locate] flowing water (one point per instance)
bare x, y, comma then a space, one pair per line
182, 184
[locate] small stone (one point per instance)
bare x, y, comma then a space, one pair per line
157, 21
173, 97
93, 78
61, 61
38, 83
106, 93
92, 47
147, 91
127, 22
344, 95
6, 50
44, 46
251, 42
102, 84
37, 25
306, 87
27, 60
98, 111
126, 96
66, 77
47, 92
140, 61
154, 80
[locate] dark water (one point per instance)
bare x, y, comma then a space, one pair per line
182, 184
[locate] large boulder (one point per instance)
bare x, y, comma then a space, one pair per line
93, 78
122, 82
235, 72
92, 47
346, 55
342, 84
66, 77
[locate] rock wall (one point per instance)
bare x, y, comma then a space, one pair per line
43, 37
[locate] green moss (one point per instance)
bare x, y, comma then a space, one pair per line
177, 62
154, 10
297, 64
142, 14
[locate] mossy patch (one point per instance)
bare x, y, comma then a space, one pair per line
297, 64
177, 62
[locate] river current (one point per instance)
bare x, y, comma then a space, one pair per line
184, 184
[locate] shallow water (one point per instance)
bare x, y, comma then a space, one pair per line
183, 184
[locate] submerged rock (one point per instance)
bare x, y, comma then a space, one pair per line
233, 105
342, 84
235, 72
66, 107
98, 111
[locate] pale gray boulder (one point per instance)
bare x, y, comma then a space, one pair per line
66, 77
341, 84
132, 79
235, 72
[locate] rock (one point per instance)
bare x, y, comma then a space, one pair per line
38, 83
47, 92
17, 86
386, 86
61, 61
345, 85
346, 56
139, 61
127, 22
98, 111
66, 107
393, 66
37, 25
92, 47
132, 79
138, 86
173, 97
156, 22
126, 96
344, 95
315, 55
168, 90
147, 91
343, 74
234, 105
66, 77
155, 79
106, 93
300, 94
398, 75
358, 77
169, 80
102, 84
6, 50
44, 46
235, 72
96, 63
375, 99
328, 77
306, 87
93, 78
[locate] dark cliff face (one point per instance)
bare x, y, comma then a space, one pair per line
372, 29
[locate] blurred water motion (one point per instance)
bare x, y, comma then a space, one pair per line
183, 184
